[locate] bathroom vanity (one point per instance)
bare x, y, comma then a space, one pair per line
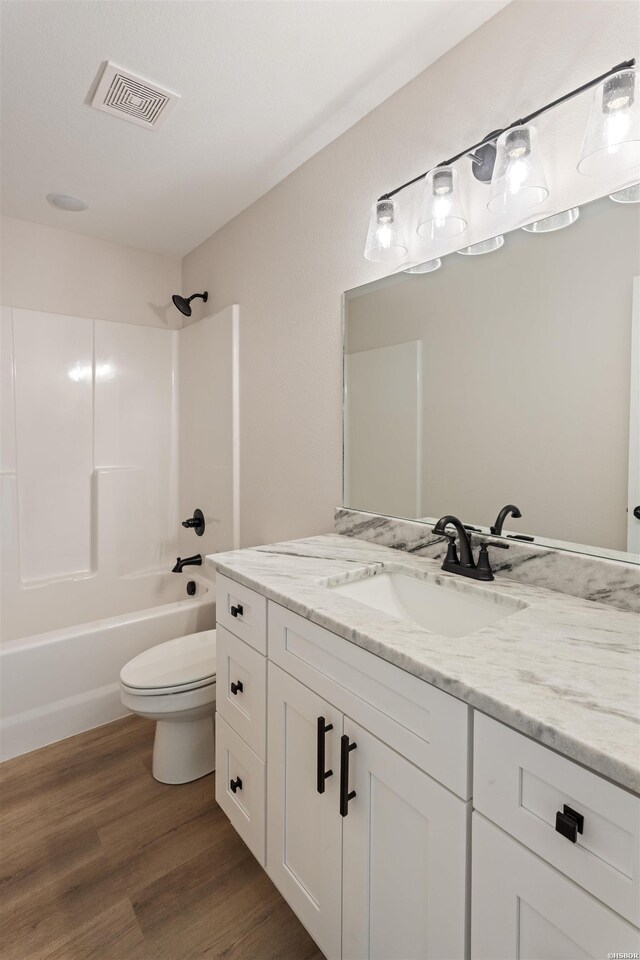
423, 788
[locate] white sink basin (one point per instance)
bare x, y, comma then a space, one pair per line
437, 607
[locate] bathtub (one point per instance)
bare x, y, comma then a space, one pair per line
64, 681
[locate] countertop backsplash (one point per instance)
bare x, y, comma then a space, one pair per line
612, 582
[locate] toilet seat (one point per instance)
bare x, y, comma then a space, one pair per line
176, 666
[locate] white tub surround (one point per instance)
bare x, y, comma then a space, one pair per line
564, 671
377, 755
610, 581
112, 434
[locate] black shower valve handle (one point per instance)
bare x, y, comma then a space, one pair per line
196, 522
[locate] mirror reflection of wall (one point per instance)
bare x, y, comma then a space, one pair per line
526, 378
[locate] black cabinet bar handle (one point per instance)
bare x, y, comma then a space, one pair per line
569, 823
237, 688
237, 611
235, 784
322, 774
345, 796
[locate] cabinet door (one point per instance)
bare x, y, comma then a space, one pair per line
304, 847
522, 907
404, 859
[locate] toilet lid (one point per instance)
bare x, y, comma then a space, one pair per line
176, 663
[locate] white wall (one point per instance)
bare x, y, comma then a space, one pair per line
288, 258
57, 271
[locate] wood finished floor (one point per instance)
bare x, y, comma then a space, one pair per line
99, 861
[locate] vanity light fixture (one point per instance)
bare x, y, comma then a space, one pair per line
612, 138
441, 213
628, 195
557, 221
510, 160
484, 246
427, 267
386, 237
519, 182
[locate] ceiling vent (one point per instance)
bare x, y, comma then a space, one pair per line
132, 98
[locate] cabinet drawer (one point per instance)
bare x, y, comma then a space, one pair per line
521, 785
241, 689
522, 907
236, 763
427, 726
242, 611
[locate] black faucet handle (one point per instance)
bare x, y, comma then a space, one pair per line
452, 553
484, 566
196, 522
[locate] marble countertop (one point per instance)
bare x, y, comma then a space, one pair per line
564, 671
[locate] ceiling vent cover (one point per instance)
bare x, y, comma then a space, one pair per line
132, 98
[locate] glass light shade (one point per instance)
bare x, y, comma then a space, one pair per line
556, 221
442, 213
519, 182
628, 195
612, 138
427, 267
484, 246
386, 238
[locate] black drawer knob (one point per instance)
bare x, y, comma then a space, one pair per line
237, 688
237, 610
569, 823
235, 784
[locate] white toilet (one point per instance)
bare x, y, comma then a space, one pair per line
175, 684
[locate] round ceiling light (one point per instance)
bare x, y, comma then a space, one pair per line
64, 202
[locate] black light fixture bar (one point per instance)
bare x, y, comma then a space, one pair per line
492, 137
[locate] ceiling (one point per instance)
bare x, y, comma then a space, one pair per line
264, 86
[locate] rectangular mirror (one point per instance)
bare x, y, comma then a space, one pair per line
506, 378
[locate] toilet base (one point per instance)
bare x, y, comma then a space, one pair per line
184, 750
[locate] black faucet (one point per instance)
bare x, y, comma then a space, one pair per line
195, 561
466, 555
465, 565
509, 510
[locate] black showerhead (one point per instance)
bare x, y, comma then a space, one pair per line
184, 303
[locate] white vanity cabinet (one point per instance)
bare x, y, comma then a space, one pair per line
304, 852
522, 907
241, 682
375, 865
404, 858
539, 893
356, 795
